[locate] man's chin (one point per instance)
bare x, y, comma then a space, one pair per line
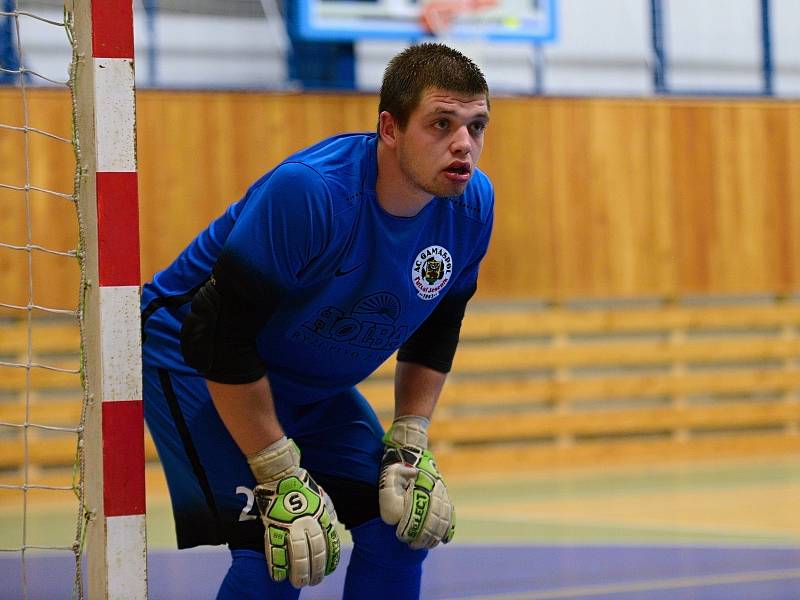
454, 189
448, 189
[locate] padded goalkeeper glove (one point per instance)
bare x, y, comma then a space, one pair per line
411, 492
300, 538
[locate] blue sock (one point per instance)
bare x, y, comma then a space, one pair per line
247, 579
381, 566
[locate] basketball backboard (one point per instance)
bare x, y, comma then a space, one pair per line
507, 20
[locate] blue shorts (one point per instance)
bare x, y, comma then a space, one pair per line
209, 480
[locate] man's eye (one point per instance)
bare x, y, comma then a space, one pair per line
441, 124
478, 127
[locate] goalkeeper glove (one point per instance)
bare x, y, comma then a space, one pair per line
300, 539
411, 492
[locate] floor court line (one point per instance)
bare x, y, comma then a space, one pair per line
645, 586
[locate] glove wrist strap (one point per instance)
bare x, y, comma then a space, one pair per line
276, 461
409, 430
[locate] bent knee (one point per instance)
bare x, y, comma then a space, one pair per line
376, 542
248, 579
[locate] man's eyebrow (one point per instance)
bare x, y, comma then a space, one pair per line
449, 111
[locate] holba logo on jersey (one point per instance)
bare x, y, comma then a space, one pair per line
432, 269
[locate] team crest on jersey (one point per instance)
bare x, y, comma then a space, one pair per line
431, 272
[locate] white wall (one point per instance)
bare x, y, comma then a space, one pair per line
194, 51
206, 51
786, 46
603, 48
714, 43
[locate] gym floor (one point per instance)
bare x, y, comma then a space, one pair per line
701, 530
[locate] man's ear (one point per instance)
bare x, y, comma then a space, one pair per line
387, 128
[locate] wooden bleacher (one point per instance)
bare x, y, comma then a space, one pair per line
48, 395
531, 386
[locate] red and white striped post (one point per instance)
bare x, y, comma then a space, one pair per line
114, 437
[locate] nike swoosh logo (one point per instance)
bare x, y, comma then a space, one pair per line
340, 272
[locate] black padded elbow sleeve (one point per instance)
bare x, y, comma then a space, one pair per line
434, 342
199, 328
218, 338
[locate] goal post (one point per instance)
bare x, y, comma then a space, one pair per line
113, 443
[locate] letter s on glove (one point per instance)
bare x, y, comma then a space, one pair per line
412, 493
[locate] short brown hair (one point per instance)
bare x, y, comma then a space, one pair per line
427, 65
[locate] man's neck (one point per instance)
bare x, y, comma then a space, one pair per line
396, 194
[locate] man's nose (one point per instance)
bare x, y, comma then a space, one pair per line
461, 142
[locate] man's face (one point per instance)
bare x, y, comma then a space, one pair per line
439, 148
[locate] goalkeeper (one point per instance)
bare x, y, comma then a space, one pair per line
255, 336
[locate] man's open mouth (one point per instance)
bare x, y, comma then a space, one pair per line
459, 168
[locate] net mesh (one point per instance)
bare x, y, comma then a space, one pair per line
43, 398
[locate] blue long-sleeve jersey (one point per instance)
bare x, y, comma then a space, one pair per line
349, 282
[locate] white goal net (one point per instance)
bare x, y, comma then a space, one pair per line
43, 399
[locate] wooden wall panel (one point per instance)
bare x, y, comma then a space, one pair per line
50, 165
595, 197
199, 151
643, 197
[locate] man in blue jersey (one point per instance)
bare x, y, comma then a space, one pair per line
255, 336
